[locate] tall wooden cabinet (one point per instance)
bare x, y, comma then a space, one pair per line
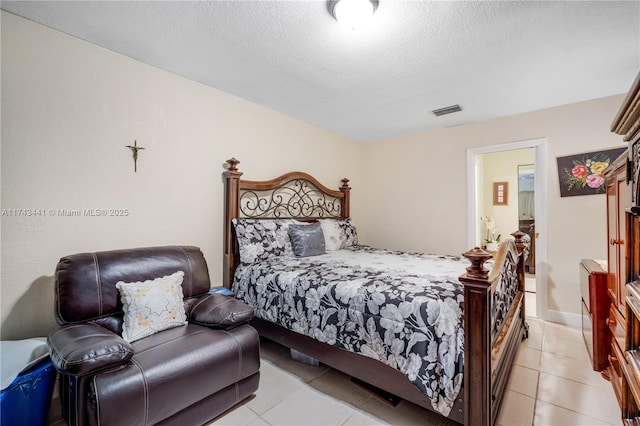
624, 253
631, 372
618, 200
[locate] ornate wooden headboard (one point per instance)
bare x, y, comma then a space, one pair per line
294, 195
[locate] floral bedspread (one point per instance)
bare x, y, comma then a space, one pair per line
402, 309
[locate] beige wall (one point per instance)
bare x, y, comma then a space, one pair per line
424, 177
68, 110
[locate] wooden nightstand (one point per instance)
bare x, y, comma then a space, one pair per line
595, 311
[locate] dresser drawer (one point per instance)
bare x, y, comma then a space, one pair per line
616, 324
615, 370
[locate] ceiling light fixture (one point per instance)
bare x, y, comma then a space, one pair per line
352, 13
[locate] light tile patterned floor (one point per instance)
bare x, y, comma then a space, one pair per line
552, 383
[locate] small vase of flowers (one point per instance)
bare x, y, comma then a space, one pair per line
493, 237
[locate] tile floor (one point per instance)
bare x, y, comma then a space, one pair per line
551, 384
530, 294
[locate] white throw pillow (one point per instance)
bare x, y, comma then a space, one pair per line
152, 306
333, 237
338, 233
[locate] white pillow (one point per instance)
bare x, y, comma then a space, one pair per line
338, 233
152, 306
333, 238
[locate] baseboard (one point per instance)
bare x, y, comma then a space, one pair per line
565, 318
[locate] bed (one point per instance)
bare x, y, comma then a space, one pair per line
439, 331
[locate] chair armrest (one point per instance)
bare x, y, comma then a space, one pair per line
220, 311
83, 349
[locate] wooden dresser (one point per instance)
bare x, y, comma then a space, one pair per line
624, 250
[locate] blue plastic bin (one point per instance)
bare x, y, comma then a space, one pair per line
26, 400
221, 290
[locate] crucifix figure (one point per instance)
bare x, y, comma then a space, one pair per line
134, 149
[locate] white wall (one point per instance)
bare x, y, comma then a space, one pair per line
424, 181
68, 110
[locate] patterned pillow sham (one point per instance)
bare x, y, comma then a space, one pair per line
339, 233
260, 239
151, 306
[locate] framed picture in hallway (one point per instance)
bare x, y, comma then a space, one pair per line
500, 193
582, 174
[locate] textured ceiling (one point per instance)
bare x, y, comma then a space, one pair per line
494, 58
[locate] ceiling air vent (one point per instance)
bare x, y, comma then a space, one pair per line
446, 110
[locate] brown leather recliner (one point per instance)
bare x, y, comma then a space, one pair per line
185, 375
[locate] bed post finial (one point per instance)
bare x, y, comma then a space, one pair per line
346, 203
232, 162
477, 257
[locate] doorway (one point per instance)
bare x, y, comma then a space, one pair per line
518, 169
527, 223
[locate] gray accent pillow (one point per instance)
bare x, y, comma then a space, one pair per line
307, 240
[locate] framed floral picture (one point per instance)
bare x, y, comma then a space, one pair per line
582, 174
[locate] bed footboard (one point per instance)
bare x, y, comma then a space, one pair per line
490, 353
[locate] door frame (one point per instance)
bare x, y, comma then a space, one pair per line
540, 155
